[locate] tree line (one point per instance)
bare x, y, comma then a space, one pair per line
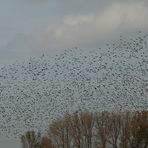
93, 130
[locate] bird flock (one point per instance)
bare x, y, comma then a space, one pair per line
39, 90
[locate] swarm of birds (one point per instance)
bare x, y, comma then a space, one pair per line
39, 90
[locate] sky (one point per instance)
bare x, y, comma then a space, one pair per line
33, 27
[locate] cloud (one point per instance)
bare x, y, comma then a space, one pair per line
47, 25
75, 30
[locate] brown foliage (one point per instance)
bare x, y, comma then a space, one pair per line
94, 130
46, 143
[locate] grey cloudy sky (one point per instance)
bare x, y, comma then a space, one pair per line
31, 27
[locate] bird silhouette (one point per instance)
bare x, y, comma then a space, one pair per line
40, 90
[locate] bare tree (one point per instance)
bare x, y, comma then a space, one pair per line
31, 140
115, 121
76, 130
88, 130
103, 129
125, 130
61, 133
87, 122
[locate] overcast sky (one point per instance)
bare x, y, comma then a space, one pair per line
33, 27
